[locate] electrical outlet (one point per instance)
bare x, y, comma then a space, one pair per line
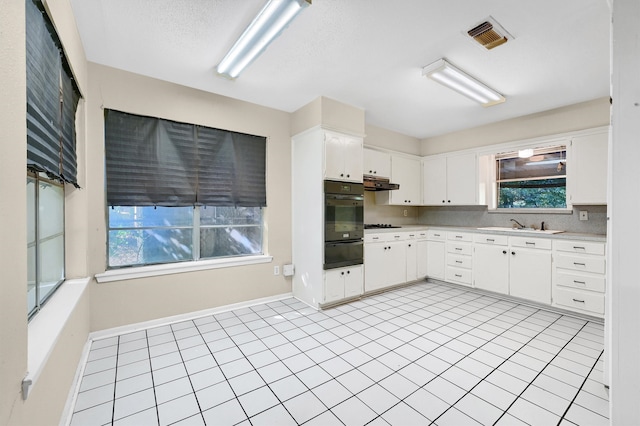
404, 212
584, 215
276, 270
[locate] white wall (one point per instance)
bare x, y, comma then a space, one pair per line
119, 303
585, 115
624, 251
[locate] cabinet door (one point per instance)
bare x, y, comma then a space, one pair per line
412, 260
353, 281
435, 259
491, 268
530, 274
588, 169
434, 172
396, 263
375, 267
352, 158
377, 163
461, 180
421, 259
405, 172
333, 158
334, 285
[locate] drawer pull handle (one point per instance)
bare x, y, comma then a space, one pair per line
436, 235
579, 282
458, 261
458, 275
529, 243
578, 248
490, 240
578, 300
459, 248
579, 264
458, 236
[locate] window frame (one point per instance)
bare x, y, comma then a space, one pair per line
40, 177
487, 158
196, 227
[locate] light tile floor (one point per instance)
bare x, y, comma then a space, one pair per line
423, 354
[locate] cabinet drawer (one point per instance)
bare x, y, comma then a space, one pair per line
533, 243
459, 261
576, 299
458, 275
421, 235
459, 249
385, 237
585, 282
580, 263
459, 236
583, 247
434, 235
498, 240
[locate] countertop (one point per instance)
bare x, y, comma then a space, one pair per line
562, 235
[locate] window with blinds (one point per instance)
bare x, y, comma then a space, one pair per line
52, 99
179, 192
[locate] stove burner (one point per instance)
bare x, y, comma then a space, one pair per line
379, 226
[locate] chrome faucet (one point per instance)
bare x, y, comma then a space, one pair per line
520, 226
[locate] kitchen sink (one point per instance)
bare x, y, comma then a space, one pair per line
523, 230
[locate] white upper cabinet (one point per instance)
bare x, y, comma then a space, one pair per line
587, 171
450, 180
377, 163
343, 157
405, 171
435, 181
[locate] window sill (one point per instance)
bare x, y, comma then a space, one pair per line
46, 326
178, 268
531, 211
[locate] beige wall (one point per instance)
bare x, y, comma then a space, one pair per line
329, 113
125, 302
580, 116
13, 259
49, 393
383, 138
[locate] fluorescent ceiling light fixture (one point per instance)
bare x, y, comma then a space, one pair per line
454, 78
525, 153
274, 17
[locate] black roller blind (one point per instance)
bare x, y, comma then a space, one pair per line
151, 161
52, 98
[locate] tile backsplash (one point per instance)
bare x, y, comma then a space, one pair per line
478, 216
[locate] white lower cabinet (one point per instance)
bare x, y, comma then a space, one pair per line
385, 261
579, 276
342, 283
530, 274
491, 263
416, 255
459, 261
436, 254
518, 266
412, 260
421, 255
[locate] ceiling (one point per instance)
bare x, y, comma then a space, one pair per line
366, 53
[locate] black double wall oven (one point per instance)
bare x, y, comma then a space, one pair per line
343, 224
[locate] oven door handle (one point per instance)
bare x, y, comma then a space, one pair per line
344, 243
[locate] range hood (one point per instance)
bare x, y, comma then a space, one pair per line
374, 183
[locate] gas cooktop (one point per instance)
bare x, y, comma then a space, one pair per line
379, 226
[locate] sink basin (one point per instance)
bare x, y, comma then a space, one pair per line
523, 230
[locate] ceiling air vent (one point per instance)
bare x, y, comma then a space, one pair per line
489, 34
